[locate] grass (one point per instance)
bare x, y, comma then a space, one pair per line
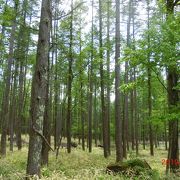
79, 165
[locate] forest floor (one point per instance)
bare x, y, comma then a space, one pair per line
79, 165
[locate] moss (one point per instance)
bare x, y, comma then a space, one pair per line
134, 168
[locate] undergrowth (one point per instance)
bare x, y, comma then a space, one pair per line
79, 165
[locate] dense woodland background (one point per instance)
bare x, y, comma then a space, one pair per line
96, 73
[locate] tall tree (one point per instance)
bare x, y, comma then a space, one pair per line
90, 93
103, 100
38, 92
118, 120
125, 127
149, 88
108, 74
69, 88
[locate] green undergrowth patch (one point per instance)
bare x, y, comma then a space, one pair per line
80, 165
13, 166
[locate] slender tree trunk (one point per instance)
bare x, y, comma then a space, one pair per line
132, 113
82, 135
126, 112
82, 118
91, 86
56, 78
13, 104
103, 102
108, 76
165, 136
149, 113
69, 93
149, 92
136, 116
118, 120
144, 139
38, 92
95, 117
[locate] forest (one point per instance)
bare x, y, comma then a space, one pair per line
89, 89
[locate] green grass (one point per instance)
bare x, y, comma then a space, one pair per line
79, 165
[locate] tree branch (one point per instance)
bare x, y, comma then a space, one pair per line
60, 17
35, 130
157, 75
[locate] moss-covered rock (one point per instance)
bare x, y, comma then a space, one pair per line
131, 168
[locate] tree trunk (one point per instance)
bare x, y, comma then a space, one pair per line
69, 93
132, 113
13, 104
165, 136
126, 112
103, 102
38, 92
149, 91
118, 120
136, 116
95, 116
90, 69
82, 118
173, 99
108, 76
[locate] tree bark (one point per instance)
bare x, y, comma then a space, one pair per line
46, 123
38, 92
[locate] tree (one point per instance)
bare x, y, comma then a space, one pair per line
118, 120
90, 93
149, 90
102, 82
38, 92
173, 98
69, 84
126, 117
108, 75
